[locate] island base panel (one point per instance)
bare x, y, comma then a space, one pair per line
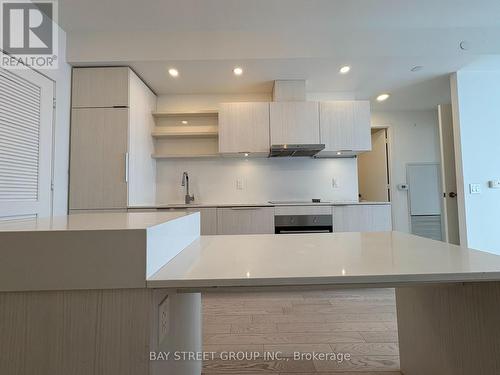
451, 329
96, 332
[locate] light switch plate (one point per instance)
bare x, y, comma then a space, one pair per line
475, 188
335, 183
239, 184
163, 319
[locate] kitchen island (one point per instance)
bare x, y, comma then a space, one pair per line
448, 300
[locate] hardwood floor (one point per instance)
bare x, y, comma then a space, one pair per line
359, 322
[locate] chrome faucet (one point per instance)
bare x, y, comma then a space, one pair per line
185, 182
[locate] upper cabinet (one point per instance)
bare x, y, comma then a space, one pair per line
345, 127
294, 123
100, 87
244, 128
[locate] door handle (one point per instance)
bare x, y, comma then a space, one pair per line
126, 167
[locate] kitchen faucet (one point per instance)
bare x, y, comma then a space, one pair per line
185, 182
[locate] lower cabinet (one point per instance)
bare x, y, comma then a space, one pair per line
245, 220
362, 218
208, 220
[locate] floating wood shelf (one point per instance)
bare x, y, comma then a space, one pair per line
185, 134
204, 113
164, 156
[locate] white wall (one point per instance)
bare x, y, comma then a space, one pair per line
414, 138
62, 78
476, 118
214, 181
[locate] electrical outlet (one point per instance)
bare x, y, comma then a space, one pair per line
475, 188
494, 184
163, 320
335, 183
239, 184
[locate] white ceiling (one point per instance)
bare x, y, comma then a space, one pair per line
288, 39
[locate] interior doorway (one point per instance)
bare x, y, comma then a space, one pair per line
374, 169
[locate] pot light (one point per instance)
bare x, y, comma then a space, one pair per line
173, 72
345, 69
184, 122
382, 97
246, 154
339, 153
238, 71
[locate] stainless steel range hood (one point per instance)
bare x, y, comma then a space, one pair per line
295, 150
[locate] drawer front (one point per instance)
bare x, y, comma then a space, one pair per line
302, 210
245, 220
362, 218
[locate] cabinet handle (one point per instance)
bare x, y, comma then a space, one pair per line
126, 167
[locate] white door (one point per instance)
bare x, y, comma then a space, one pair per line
425, 199
448, 173
26, 122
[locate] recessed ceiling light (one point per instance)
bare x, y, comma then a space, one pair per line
173, 72
345, 69
238, 71
382, 97
339, 153
417, 68
246, 154
184, 122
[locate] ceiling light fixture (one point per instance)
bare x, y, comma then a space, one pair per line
238, 71
417, 68
345, 69
246, 154
339, 153
382, 97
184, 122
173, 72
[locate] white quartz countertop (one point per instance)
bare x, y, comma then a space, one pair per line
390, 258
92, 221
257, 204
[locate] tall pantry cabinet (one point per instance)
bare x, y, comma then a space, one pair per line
111, 145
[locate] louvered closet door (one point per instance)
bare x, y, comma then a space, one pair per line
26, 122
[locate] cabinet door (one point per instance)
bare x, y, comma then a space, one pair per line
98, 158
208, 220
345, 126
362, 218
244, 127
100, 87
245, 220
294, 123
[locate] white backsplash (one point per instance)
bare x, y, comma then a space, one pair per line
215, 180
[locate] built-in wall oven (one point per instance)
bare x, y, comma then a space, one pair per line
284, 224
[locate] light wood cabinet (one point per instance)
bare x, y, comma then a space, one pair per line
294, 123
111, 145
208, 218
245, 220
362, 218
345, 126
244, 127
98, 158
100, 87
